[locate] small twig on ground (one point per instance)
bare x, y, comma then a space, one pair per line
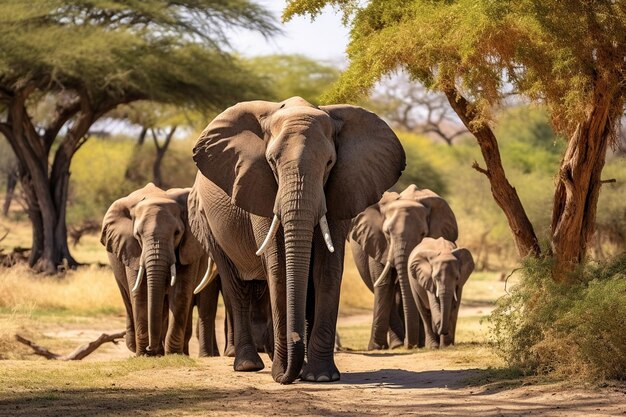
79, 353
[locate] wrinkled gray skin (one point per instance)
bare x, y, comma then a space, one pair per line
261, 326
439, 270
387, 232
206, 302
296, 162
150, 227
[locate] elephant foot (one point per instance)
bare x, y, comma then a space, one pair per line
208, 354
396, 344
377, 346
229, 351
130, 341
320, 371
431, 343
248, 360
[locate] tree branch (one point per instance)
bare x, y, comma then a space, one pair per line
79, 353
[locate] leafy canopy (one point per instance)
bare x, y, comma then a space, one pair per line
294, 75
562, 52
120, 51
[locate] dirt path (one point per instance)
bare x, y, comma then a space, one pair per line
372, 384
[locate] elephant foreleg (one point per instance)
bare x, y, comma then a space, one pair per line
180, 303
448, 339
120, 278
229, 333
383, 305
276, 280
396, 322
327, 271
207, 309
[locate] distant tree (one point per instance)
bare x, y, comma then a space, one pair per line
85, 59
567, 54
159, 122
294, 75
410, 106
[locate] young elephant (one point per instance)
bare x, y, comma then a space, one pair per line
381, 239
147, 235
439, 270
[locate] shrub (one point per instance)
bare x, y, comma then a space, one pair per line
574, 330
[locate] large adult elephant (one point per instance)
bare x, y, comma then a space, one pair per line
439, 270
157, 263
382, 238
286, 178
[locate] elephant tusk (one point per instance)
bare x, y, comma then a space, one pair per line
139, 278
438, 293
383, 280
456, 298
326, 234
173, 273
270, 235
207, 278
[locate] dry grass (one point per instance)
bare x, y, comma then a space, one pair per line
85, 291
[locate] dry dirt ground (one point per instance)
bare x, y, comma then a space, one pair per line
427, 383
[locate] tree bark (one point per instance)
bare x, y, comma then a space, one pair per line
578, 185
11, 184
157, 179
46, 189
503, 192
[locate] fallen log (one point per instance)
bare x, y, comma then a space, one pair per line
78, 354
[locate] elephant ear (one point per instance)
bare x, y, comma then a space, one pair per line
441, 220
467, 263
230, 152
367, 229
117, 227
189, 249
421, 269
370, 160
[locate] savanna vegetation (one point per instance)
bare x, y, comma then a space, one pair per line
570, 57
533, 92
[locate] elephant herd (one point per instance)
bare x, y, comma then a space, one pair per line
280, 189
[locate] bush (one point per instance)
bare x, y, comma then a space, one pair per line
575, 330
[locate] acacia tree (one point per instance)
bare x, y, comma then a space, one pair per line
89, 57
567, 54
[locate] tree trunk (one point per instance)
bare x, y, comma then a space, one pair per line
12, 177
503, 192
46, 189
578, 187
157, 178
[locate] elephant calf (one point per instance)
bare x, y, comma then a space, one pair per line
439, 270
381, 239
147, 234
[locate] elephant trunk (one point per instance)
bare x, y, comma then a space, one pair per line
157, 274
445, 301
411, 319
298, 217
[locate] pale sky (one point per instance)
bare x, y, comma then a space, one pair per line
325, 38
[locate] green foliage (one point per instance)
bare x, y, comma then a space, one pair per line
294, 75
118, 50
575, 331
553, 51
107, 169
98, 178
421, 155
530, 168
